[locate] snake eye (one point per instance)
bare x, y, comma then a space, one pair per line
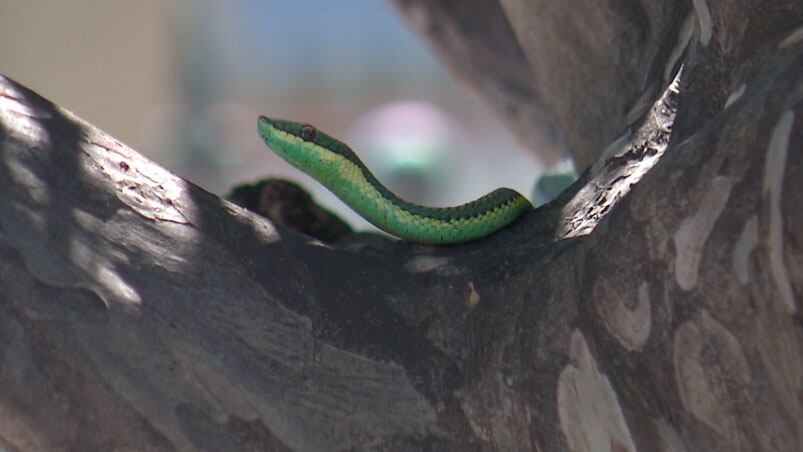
307, 133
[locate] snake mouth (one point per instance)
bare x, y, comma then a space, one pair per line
272, 132
265, 125
267, 130
279, 129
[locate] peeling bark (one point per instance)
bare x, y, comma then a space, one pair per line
139, 312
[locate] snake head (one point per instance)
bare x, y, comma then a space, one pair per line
304, 146
292, 141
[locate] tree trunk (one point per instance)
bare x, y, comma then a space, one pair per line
654, 306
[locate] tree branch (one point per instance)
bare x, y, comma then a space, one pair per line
139, 311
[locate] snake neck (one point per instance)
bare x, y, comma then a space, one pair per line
334, 164
354, 183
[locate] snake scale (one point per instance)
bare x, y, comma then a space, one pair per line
337, 167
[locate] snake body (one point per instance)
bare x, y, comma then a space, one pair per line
337, 167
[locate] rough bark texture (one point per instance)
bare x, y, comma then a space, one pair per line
567, 77
655, 306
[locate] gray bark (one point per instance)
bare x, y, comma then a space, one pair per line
656, 305
566, 77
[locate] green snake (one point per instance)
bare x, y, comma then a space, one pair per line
337, 167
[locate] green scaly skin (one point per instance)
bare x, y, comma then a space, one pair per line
334, 164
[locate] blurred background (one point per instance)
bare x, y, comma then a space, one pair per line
183, 82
